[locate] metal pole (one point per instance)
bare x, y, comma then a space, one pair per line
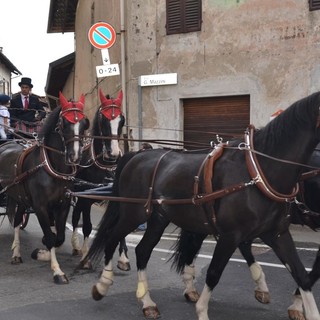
123, 60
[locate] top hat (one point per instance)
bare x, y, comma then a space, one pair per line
26, 81
4, 99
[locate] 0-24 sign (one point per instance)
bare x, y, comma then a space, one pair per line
108, 70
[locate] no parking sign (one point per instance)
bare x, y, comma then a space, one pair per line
102, 35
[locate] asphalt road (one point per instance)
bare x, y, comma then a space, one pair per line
27, 291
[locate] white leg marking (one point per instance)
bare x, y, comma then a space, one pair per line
258, 277
85, 247
297, 306
202, 304
16, 243
106, 279
54, 263
142, 292
310, 307
188, 277
123, 258
75, 242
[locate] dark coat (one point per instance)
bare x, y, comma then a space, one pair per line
17, 111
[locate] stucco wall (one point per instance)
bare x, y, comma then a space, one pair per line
267, 49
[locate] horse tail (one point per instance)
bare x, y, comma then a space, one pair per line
186, 249
11, 209
105, 226
109, 219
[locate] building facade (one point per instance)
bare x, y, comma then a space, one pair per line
7, 69
236, 62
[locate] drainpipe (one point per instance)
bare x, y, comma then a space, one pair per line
123, 60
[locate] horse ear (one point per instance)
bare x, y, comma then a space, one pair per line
103, 99
118, 101
63, 101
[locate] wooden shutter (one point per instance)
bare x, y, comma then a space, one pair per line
183, 16
314, 5
206, 117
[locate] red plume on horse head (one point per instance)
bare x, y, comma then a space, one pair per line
72, 111
111, 108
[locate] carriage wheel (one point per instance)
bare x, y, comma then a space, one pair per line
25, 219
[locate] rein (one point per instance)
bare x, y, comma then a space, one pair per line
206, 166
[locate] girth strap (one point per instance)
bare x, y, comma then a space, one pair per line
148, 204
207, 167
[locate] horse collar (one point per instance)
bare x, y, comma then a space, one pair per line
257, 175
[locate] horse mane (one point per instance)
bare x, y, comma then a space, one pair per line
302, 113
95, 125
50, 123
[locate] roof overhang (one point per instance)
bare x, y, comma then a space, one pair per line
58, 73
9, 64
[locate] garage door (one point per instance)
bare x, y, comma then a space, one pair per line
205, 117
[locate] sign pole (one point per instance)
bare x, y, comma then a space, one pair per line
123, 63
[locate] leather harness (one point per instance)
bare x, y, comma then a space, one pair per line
207, 170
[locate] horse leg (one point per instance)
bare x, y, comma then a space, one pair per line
86, 230
188, 273
53, 240
223, 251
16, 254
295, 311
261, 291
100, 289
76, 213
155, 229
284, 248
123, 261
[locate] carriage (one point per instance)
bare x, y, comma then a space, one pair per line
26, 132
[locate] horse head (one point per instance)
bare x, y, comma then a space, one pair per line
111, 122
73, 125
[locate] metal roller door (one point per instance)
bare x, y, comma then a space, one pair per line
206, 117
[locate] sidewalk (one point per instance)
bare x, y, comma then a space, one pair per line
299, 233
304, 234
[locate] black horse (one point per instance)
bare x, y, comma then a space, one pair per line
252, 193
98, 163
37, 174
305, 212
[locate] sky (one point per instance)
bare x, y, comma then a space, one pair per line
27, 44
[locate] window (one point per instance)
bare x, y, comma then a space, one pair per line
314, 5
184, 16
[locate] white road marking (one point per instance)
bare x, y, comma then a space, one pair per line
133, 239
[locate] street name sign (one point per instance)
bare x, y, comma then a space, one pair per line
158, 79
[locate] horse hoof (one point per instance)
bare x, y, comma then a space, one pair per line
16, 260
295, 315
87, 265
60, 279
41, 255
76, 252
262, 296
34, 254
151, 312
124, 266
95, 293
192, 296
